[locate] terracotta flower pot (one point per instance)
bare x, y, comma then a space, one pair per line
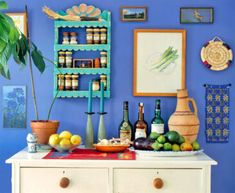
43, 129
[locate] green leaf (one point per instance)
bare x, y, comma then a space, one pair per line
2, 45
6, 75
38, 60
3, 5
4, 57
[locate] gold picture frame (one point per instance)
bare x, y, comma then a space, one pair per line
159, 61
20, 21
133, 13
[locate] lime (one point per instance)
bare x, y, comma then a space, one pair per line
196, 146
172, 136
154, 135
181, 139
167, 147
175, 147
161, 139
157, 146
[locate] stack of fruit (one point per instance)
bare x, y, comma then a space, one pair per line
171, 141
65, 141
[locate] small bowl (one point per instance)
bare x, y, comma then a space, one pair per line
111, 148
68, 148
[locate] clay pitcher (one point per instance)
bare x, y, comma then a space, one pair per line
183, 120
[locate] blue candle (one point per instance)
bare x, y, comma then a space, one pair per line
101, 97
90, 98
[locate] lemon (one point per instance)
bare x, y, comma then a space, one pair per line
65, 143
76, 140
65, 134
54, 139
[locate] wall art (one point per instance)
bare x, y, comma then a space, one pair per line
159, 61
20, 21
14, 106
194, 15
133, 13
217, 113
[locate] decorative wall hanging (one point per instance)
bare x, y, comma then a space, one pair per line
14, 107
217, 113
159, 62
216, 54
194, 15
20, 21
133, 13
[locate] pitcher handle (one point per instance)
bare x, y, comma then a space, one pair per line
194, 105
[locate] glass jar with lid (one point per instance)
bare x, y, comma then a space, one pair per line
96, 36
68, 59
68, 82
65, 38
60, 81
95, 85
73, 38
103, 59
61, 59
74, 81
103, 35
89, 36
103, 78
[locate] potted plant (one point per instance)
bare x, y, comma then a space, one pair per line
14, 43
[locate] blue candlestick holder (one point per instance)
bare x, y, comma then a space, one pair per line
102, 128
89, 131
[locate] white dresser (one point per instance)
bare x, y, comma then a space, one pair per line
31, 174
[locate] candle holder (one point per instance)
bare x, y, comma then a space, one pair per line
102, 128
89, 131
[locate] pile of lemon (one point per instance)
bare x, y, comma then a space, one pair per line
65, 140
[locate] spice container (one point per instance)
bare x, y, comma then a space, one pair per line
68, 82
97, 63
103, 59
74, 81
65, 38
96, 37
73, 38
103, 78
60, 81
103, 35
61, 59
89, 36
95, 85
68, 59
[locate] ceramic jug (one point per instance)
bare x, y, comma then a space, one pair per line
183, 120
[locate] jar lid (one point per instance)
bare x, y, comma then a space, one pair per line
103, 29
69, 52
68, 76
103, 53
73, 34
89, 30
61, 52
74, 75
96, 30
65, 33
103, 76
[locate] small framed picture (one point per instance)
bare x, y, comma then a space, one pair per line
133, 13
82, 63
194, 15
20, 21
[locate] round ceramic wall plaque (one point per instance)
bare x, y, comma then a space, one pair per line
216, 55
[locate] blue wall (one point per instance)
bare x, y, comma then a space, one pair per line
161, 14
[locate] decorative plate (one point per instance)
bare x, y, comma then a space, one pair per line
216, 55
111, 148
167, 153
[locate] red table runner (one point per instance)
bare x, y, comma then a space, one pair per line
90, 154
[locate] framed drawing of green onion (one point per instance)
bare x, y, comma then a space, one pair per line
159, 62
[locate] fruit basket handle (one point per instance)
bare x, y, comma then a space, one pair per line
194, 105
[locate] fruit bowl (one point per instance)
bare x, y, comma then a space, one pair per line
67, 148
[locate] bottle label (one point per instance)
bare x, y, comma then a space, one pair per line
158, 128
124, 135
140, 133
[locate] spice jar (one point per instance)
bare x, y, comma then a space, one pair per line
103, 35
103, 78
96, 36
68, 82
61, 61
103, 59
60, 81
68, 59
73, 38
97, 63
95, 85
65, 38
74, 81
89, 36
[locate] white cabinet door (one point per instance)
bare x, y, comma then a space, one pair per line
174, 180
47, 180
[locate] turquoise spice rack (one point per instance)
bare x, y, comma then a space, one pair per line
58, 46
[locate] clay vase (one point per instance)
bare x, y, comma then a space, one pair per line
43, 130
183, 120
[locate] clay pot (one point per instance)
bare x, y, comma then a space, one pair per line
43, 130
183, 120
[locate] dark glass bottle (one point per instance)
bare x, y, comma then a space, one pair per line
141, 125
125, 128
157, 124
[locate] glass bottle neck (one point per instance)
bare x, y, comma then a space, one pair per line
141, 114
157, 113
125, 115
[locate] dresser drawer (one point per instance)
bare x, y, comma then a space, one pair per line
47, 180
174, 180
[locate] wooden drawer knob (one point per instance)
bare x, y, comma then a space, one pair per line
158, 183
64, 182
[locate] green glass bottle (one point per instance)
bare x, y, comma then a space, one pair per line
157, 123
125, 128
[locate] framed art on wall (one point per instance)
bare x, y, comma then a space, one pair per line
159, 61
194, 15
133, 13
20, 21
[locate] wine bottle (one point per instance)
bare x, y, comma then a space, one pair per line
157, 123
141, 125
125, 128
